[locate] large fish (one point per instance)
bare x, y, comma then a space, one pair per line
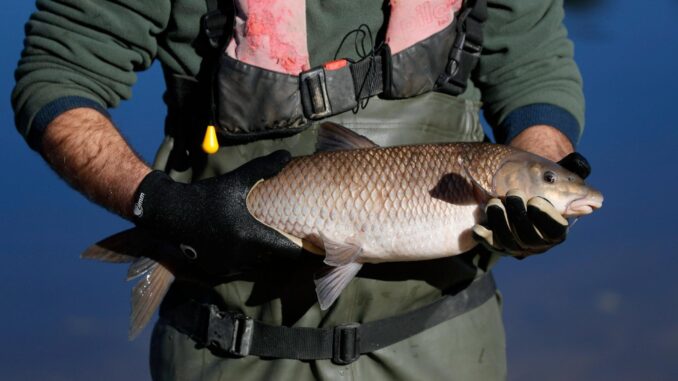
358, 203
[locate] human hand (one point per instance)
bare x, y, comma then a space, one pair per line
210, 222
521, 227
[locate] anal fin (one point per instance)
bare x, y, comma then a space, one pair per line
343, 256
329, 286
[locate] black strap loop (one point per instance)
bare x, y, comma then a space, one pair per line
235, 334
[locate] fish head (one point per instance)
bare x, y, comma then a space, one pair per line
539, 177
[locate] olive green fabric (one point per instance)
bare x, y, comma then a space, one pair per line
92, 49
469, 347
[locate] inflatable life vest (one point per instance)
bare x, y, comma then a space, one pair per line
264, 87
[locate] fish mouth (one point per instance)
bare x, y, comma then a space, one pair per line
585, 205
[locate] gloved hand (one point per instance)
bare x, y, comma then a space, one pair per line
522, 227
210, 222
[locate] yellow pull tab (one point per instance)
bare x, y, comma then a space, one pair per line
210, 144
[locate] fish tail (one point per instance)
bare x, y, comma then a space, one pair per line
129, 246
147, 295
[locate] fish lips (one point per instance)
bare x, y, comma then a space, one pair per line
584, 205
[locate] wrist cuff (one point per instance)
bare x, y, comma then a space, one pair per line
153, 181
53, 109
535, 114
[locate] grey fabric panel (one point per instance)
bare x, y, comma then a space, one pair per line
416, 69
429, 118
255, 100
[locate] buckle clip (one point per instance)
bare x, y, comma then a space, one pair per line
346, 343
314, 98
218, 24
463, 58
229, 332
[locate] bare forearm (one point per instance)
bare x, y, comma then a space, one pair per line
87, 151
544, 141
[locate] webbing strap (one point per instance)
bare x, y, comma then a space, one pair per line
238, 335
367, 77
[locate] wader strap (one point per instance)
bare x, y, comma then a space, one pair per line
218, 22
232, 333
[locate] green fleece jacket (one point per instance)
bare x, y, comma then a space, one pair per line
84, 53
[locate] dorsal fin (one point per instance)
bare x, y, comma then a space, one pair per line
334, 137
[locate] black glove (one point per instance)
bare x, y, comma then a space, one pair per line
521, 228
210, 222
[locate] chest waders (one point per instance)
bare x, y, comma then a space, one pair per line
258, 110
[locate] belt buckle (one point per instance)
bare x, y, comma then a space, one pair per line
230, 332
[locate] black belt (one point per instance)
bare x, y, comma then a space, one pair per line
238, 335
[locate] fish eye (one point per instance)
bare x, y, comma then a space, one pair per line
550, 177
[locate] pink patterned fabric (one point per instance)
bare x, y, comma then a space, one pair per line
413, 21
271, 34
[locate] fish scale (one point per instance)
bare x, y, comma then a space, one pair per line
391, 201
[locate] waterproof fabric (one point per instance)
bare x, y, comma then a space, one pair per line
257, 88
469, 347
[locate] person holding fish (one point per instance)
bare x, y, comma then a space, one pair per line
320, 207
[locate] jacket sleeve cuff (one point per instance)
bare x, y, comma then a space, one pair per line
53, 109
535, 114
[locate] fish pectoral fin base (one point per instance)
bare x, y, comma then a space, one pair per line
480, 193
147, 294
329, 286
335, 137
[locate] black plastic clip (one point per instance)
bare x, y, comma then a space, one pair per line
218, 23
346, 345
229, 332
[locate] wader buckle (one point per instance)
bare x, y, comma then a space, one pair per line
346, 345
229, 332
463, 58
327, 90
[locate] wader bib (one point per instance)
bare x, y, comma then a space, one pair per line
467, 347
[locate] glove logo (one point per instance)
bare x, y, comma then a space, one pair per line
138, 206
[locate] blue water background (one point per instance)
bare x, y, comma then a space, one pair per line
602, 306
